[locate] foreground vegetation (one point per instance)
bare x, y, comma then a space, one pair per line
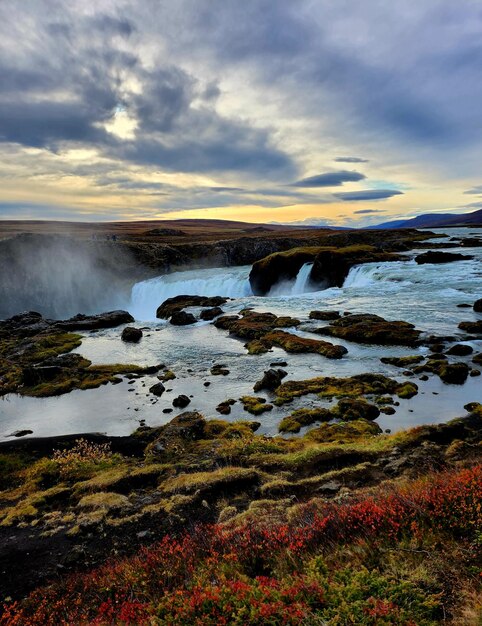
408, 554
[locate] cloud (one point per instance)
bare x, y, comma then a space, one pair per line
329, 179
367, 194
349, 159
475, 190
368, 211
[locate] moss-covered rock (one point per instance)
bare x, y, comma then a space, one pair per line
367, 328
178, 303
304, 417
255, 404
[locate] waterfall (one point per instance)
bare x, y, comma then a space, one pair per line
147, 295
391, 275
294, 287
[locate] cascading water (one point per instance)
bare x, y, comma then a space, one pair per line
147, 295
294, 287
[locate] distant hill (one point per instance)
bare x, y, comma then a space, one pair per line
435, 220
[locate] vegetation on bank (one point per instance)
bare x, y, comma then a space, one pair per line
407, 554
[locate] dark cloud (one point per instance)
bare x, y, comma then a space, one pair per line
329, 179
367, 194
368, 211
349, 159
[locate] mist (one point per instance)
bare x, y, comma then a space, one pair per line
60, 276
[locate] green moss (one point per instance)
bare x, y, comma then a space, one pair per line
407, 390
104, 500
255, 404
301, 345
304, 417
220, 479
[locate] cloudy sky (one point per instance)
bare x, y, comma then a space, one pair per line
309, 111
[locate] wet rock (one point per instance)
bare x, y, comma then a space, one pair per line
271, 380
111, 319
353, 409
255, 404
301, 345
471, 327
176, 304
278, 364
252, 325
219, 370
437, 256
478, 306
131, 334
367, 328
181, 402
324, 315
402, 361
181, 318
460, 349
387, 410
158, 389
474, 373
36, 375
225, 407
210, 314
464, 305
455, 373
21, 433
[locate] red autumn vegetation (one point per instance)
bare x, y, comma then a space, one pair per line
324, 567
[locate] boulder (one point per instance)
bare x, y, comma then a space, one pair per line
324, 315
460, 349
367, 328
471, 327
252, 325
455, 373
210, 314
181, 318
131, 334
111, 319
176, 304
181, 402
37, 375
349, 409
271, 380
158, 389
478, 306
437, 256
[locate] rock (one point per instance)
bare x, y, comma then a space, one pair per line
225, 407
111, 319
478, 306
278, 364
387, 410
301, 345
21, 433
464, 305
437, 256
181, 318
278, 267
252, 325
470, 242
210, 314
471, 327
131, 334
455, 373
219, 370
367, 328
41, 374
460, 349
271, 380
255, 404
181, 402
353, 409
158, 389
324, 315
402, 361
176, 304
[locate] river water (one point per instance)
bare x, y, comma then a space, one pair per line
426, 295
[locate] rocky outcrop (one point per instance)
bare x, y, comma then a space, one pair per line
178, 303
111, 319
367, 328
252, 325
440, 257
131, 334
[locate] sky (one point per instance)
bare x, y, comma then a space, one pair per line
342, 113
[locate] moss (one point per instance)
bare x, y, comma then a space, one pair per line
257, 346
403, 361
365, 328
104, 500
11, 467
226, 478
30, 506
349, 409
355, 386
303, 417
255, 405
301, 345
344, 432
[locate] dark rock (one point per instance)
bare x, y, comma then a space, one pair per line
225, 407
181, 402
210, 314
367, 328
464, 306
438, 256
131, 335
271, 380
478, 306
158, 389
278, 364
21, 433
111, 319
470, 242
178, 303
36, 375
460, 349
353, 409
181, 318
471, 327
324, 315
253, 325
455, 373
219, 370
